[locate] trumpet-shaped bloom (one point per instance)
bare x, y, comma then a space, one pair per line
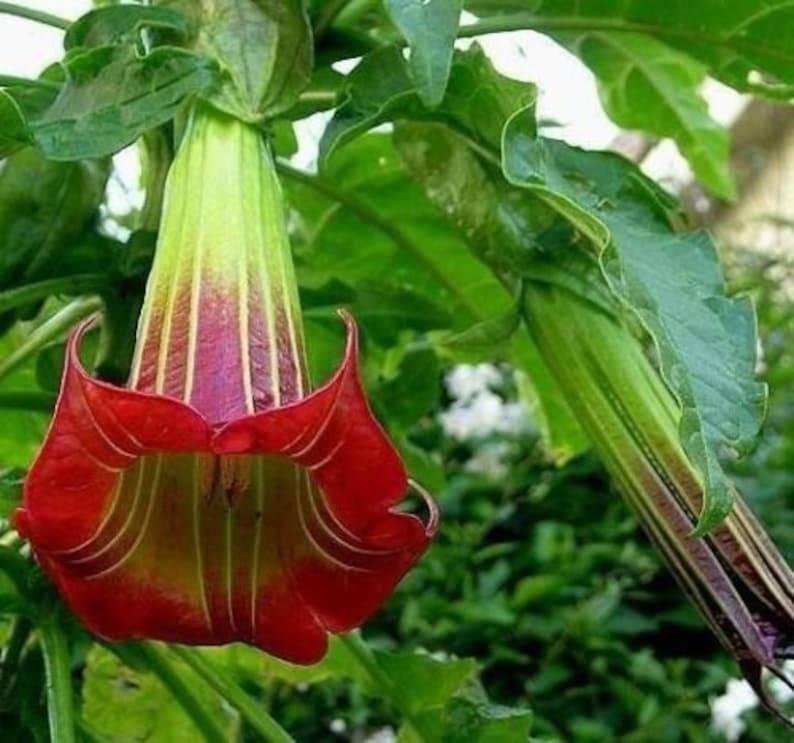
217, 498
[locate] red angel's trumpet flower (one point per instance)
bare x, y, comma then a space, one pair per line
216, 499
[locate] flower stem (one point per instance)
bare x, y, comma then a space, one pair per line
33, 400
60, 707
20, 632
219, 680
362, 654
35, 15
160, 665
71, 285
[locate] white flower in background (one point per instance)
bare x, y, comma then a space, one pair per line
489, 459
728, 708
384, 735
477, 413
338, 726
466, 381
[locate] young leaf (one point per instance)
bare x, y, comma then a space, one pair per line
647, 85
706, 341
430, 28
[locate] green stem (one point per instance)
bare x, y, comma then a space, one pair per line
60, 702
158, 663
327, 16
222, 683
20, 632
34, 400
71, 285
49, 331
362, 654
35, 15
535, 22
8, 81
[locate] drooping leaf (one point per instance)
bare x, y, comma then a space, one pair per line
706, 341
647, 85
112, 95
264, 48
747, 44
504, 229
430, 28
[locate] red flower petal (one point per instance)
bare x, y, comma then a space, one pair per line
275, 529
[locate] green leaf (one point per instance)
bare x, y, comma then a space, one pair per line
706, 341
264, 48
111, 96
14, 131
430, 28
150, 713
501, 226
747, 45
647, 85
477, 100
427, 253
120, 23
45, 210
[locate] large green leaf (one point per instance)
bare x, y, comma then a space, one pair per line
706, 341
745, 43
647, 85
430, 28
150, 713
45, 210
421, 250
112, 95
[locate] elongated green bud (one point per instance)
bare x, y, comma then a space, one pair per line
734, 575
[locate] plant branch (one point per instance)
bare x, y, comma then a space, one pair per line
535, 22
60, 702
221, 682
160, 665
72, 285
20, 632
7, 81
49, 331
34, 400
35, 15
